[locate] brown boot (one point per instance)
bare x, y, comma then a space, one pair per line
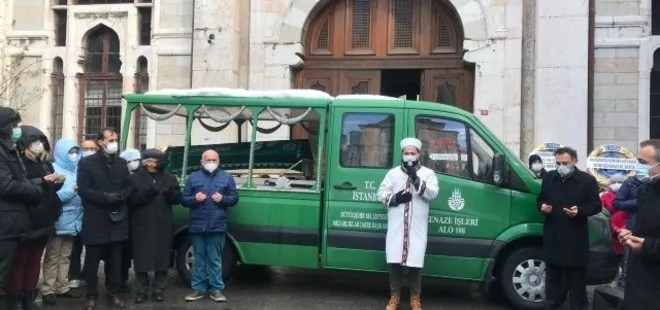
393, 304
415, 303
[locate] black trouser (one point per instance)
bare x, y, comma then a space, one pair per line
93, 255
75, 268
142, 282
126, 257
561, 280
7, 252
414, 279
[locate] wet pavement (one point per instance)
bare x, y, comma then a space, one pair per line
295, 289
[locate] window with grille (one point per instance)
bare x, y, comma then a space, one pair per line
442, 34
57, 101
145, 25
101, 82
142, 78
404, 31
361, 31
323, 40
60, 27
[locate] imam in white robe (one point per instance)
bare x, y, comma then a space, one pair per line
418, 216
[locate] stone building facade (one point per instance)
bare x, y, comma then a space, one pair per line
522, 66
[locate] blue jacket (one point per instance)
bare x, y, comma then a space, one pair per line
70, 221
208, 216
626, 200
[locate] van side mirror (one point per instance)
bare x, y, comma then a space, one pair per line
499, 169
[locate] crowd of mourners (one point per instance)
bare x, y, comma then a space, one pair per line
569, 196
77, 205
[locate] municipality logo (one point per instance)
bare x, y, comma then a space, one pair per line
456, 201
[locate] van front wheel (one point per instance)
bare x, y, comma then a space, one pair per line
523, 278
185, 257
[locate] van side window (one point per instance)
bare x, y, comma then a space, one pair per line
445, 145
482, 158
367, 140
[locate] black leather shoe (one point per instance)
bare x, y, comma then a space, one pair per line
140, 298
158, 297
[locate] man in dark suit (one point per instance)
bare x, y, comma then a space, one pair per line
104, 185
568, 197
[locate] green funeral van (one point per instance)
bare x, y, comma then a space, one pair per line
308, 166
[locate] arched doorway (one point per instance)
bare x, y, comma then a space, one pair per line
100, 84
389, 47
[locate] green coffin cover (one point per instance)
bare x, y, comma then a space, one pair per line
281, 154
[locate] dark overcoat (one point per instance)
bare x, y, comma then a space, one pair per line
152, 231
566, 239
42, 216
643, 278
99, 174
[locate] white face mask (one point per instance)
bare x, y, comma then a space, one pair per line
112, 148
536, 167
409, 158
615, 187
133, 165
87, 153
37, 147
73, 157
210, 167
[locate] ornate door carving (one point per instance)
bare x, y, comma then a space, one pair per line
450, 86
359, 82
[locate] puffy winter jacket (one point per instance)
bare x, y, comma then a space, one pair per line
208, 216
626, 200
70, 221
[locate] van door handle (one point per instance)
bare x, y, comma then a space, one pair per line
346, 186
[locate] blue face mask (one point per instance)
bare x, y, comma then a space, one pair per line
564, 170
642, 172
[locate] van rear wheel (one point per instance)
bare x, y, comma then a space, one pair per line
523, 278
185, 257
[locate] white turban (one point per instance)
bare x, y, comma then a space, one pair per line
411, 142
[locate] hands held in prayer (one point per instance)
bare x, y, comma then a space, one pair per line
633, 242
199, 197
546, 208
572, 211
217, 197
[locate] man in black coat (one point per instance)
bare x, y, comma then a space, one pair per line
16, 194
568, 197
104, 186
155, 191
642, 291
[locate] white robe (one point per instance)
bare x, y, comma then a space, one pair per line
418, 216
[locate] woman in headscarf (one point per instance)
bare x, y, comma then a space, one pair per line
56, 260
27, 262
536, 165
155, 192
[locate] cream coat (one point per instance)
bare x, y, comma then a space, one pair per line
418, 218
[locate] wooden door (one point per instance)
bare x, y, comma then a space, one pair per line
359, 82
450, 86
322, 80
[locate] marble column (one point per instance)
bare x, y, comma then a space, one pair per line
216, 43
560, 92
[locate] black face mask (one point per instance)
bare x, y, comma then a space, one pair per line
410, 165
